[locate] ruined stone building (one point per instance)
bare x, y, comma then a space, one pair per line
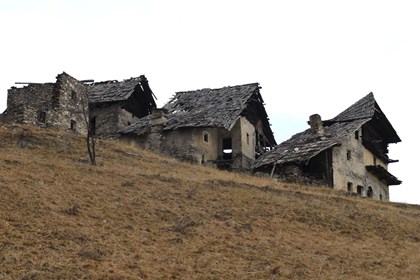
70, 104
348, 152
226, 127
56, 105
114, 105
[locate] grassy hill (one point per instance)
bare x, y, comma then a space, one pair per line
137, 215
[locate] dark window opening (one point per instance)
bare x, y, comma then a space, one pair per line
374, 161
205, 137
356, 134
227, 148
73, 95
370, 192
92, 125
360, 190
380, 197
247, 139
42, 116
128, 123
350, 187
73, 125
348, 155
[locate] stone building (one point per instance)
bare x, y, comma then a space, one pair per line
226, 127
348, 152
57, 105
71, 104
114, 105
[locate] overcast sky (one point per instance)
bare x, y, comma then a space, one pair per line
308, 56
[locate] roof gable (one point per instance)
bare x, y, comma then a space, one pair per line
112, 91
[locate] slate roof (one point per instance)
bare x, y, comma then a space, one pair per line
112, 91
208, 108
303, 146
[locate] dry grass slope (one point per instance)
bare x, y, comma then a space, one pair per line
140, 216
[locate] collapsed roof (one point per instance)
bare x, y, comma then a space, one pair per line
207, 107
303, 146
135, 90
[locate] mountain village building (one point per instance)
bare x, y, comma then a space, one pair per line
226, 127
348, 152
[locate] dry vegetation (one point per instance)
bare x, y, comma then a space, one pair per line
140, 216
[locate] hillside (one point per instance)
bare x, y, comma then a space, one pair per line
140, 216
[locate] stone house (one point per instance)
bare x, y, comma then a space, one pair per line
56, 105
71, 104
116, 104
226, 127
348, 152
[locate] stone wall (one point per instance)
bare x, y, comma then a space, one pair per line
57, 105
349, 169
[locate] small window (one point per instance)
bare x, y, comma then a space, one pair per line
350, 187
73, 125
42, 116
374, 161
356, 134
360, 190
73, 95
380, 197
247, 139
205, 137
370, 192
348, 155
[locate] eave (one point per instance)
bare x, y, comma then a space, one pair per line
383, 174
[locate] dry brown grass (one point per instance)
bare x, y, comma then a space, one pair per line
140, 216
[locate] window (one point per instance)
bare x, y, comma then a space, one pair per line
73, 125
247, 139
374, 161
350, 187
380, 197
356, 134
73, 95
42, 116
370, 192
205, 137
360, 190
348, 155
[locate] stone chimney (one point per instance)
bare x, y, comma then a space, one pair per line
317, 129
159, 117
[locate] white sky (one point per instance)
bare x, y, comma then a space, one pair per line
308, 56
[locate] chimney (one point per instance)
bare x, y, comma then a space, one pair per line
159, 117
317, 129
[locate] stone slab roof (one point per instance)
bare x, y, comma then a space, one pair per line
112, 91
303, 146
208, 108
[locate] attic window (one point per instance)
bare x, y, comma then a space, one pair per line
348, 155
73, 95
205, 137
73, 125
356, 135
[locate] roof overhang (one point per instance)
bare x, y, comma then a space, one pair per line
383, 174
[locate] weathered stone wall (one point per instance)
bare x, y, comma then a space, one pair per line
53, 105
69, 103
349, 166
